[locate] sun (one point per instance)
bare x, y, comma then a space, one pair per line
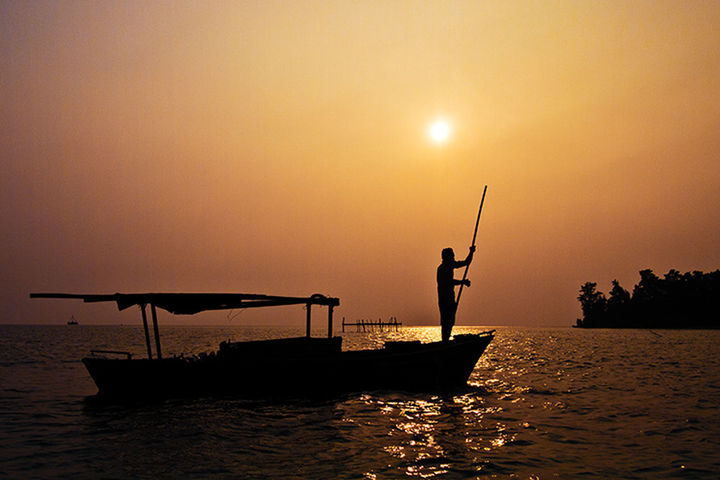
439, 131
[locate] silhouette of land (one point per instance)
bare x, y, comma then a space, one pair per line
688, 300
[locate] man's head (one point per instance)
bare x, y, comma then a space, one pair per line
448, 255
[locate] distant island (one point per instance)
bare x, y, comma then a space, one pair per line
688, 300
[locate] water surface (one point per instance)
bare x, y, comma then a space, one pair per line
541, 403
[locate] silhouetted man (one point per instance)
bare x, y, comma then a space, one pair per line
446, 288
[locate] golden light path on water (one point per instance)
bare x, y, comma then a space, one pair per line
422, 437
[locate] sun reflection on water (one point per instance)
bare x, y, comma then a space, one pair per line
424, 433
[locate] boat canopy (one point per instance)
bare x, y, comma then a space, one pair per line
192, 303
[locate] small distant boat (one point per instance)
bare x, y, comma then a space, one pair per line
72, 320
296, 366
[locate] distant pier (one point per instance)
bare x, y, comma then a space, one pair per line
370, 325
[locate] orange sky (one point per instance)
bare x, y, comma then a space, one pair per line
281, 148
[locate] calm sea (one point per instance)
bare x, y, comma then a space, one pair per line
542, 403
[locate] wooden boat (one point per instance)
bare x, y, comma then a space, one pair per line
295, 366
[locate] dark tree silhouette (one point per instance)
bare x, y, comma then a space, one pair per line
618, 305
689, 300
593, 304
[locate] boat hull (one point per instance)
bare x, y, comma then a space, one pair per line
296, 366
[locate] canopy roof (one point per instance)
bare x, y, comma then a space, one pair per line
191, 303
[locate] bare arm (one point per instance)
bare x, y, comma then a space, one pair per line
468, 259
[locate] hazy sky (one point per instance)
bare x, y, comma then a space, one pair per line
282, 148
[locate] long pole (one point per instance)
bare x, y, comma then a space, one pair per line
467, 267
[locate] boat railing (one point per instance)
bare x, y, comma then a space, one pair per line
111, 352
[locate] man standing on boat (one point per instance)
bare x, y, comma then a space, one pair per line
446, 288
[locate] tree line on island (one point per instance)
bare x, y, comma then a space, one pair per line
687, 300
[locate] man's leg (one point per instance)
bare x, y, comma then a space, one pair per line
447, 321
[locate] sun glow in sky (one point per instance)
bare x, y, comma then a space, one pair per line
439, 131
280, 148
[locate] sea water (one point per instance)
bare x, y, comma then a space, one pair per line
541, 403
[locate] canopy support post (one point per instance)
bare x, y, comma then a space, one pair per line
147, 331
330, 320
155, 329
307, 320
